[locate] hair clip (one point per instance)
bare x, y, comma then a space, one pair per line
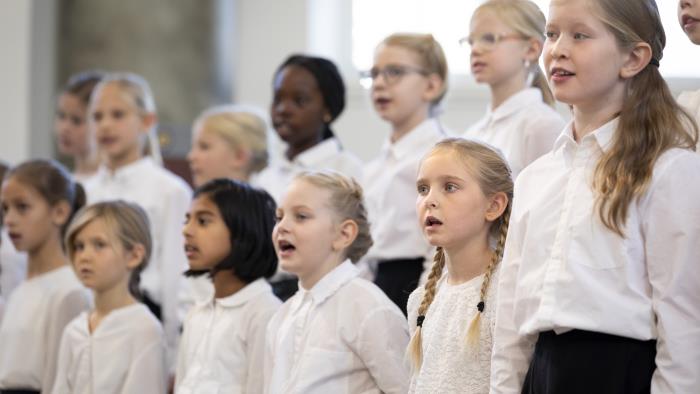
419, 321
654, 62
480, 306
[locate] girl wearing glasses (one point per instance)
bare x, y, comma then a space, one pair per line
689, 18
408, 82
506, 40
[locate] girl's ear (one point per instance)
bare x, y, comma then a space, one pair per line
347, 232
241, 158
533, 50
149, 120
60, 212
433, 88
134, 256
497, 205
637, 59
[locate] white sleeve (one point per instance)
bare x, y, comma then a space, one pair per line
381, 344
268, 358
671, 229
64, 365
511, 352
172, 264
65, 310
147, 372
540, 135
256, 349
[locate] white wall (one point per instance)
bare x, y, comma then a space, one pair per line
27, 30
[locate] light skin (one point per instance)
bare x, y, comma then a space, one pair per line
34, 226
73, 136
208, 242
406, 103
213, 157
455, 214
104, 265
309, 237
576, 41
503, 67
120, 126
689, 18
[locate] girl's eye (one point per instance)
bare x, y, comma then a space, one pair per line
118, 114
76, 121
202, 222
203, 146
579, 36
301, 216
451, 187
550, 35
422, 189
99, 244
22, 207
78, 246
97, 116
301, 100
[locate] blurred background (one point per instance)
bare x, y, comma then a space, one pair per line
197, 53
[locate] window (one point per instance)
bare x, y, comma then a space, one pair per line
448, 21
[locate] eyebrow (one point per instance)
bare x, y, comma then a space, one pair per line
441, 178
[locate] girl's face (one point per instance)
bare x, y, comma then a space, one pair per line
582, 59
407, 94
207, 238
212, 156
29, 218
119, 126
452, 209
298, 109
498, 53
100, 260
689, 17
306, 233
70, 125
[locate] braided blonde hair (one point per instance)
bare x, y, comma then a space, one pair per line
493, 175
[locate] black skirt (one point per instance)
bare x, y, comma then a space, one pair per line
590, 362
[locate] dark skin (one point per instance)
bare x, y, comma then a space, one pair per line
298, 111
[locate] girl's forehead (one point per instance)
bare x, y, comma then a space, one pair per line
396, 54
112, 92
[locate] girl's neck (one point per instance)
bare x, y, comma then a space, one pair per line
310, 279
86, 164
132, 156
109, 300
467, 260
591, 115
502, 91
226, 283
294, 151
47, 257
405, 126
240, 174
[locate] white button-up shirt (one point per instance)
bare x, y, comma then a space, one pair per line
563, 269
523, 128
390, 194
343, 336
326, 155
30, 334
125, 354
691, 103
223, 343
165, 198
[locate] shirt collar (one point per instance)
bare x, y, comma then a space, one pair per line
330, 283
252, 290
315, 156
128, 171
602, 136
514, 103
425, 133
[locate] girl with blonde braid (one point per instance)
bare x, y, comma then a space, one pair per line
464, 200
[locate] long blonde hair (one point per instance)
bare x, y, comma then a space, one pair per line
137, 87
430, 55
526, 18
494, 176
650, 121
